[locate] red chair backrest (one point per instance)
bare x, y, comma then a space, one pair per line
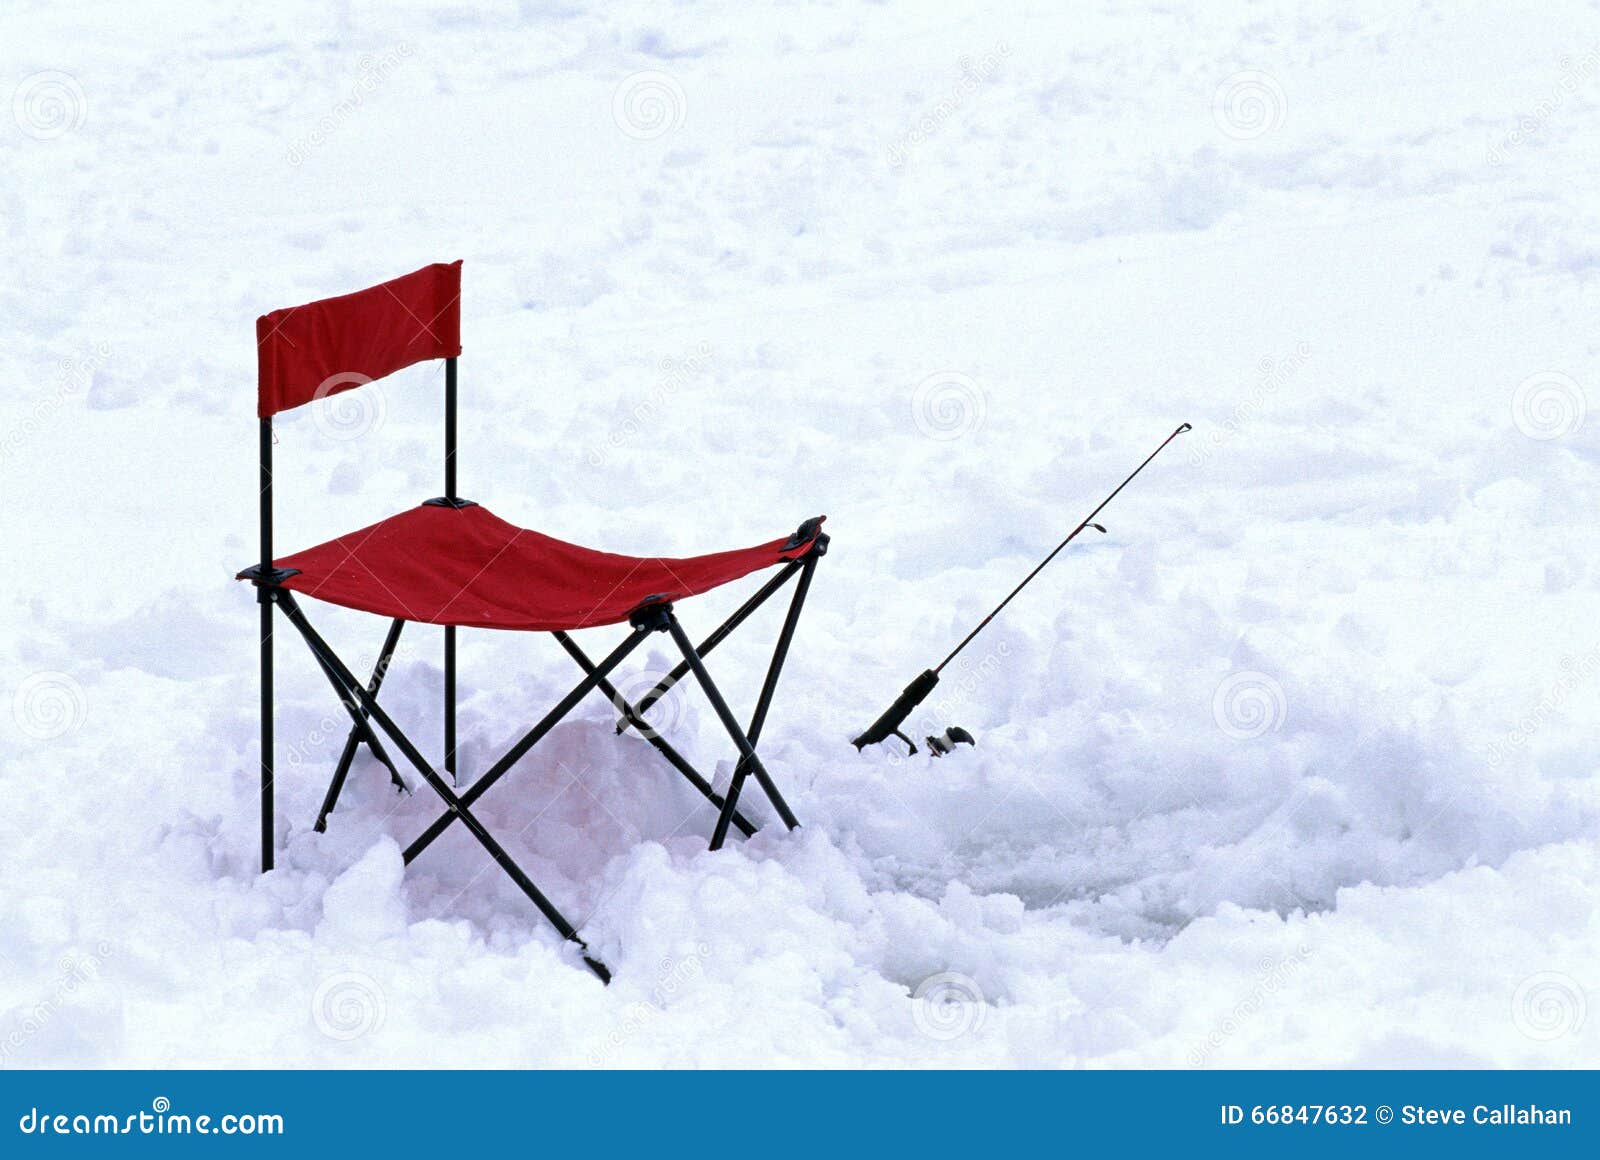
319, 349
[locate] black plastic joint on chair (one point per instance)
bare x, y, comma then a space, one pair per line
267, 580
268, 577
652, 615
810, 530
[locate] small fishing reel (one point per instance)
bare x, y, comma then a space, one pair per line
946, 742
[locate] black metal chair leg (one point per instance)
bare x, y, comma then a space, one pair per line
351, 743
529, 739
758, 719
747, 752
450, 703
358, 718
265, 596
632, 717
353, 695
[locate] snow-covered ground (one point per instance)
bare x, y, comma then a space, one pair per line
1295, 766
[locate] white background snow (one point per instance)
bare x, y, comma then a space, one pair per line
1296, 766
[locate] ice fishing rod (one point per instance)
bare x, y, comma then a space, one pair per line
917, 691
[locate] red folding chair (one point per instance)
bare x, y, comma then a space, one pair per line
451, 562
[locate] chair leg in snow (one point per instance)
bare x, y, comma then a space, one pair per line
342, 769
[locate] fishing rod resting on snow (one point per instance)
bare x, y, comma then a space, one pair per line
917, 691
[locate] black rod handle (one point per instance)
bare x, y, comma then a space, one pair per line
895, 715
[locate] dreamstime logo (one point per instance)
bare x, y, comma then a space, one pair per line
348, 1005
1271, 976
1273, 374
948, 1005
342, 412
1248, 105
73, 375
1576, 671
78, 972
49, 104
954, 694
310, 745
1249, 704
373, 72
1548, 405
76, 372
947, 405
972, 76
1549, 1005
676, 373
674, 976
648, 105
665, 715
49, 704
155, 1122
1575, 75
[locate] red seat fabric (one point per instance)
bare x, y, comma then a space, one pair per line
466, 566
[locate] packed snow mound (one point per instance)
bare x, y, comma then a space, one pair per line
1293, 766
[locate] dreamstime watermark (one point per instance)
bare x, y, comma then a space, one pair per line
1549, 405
649, 105
49, 104
663, 715
1247, 705
373, 73
348, 405
1576, 671
348, 1005
1272, 376
160, 1120
1575, 74
1248, 105
310, 745
938, 713
948, 1005
73, 376
76, 973
49, 704
948, 405
972, 75
1549, 1005
1272, 975
676, 374
673, 977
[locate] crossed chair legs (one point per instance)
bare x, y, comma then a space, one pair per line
361, 702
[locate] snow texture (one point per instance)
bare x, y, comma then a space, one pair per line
1295, 766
